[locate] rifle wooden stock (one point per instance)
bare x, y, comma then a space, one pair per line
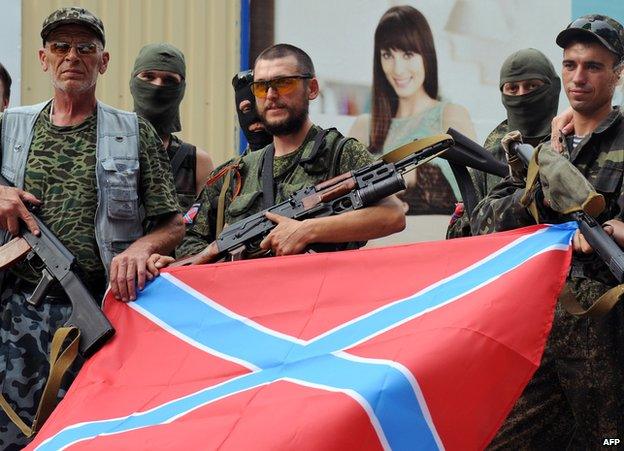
328, 183
13, 252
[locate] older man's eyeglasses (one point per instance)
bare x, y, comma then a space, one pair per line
83, 48
283, 85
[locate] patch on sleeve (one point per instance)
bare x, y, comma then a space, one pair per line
189, 216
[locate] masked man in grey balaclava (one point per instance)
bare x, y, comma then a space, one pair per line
530, 91
157, 86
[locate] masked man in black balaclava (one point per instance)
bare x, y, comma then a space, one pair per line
248, 118
530, 91
157, 86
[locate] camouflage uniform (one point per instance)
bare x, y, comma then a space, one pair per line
290, 174
60, 172
576, 397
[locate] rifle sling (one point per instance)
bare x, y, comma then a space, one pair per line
61, 358
179, 157
268, 180
267, 175
467, 189
221, 203
598, 309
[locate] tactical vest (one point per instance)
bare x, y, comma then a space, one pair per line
310, 168
118, 217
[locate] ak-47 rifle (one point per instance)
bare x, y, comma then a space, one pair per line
607, 249
466, 153
346, 192
60, 265
473, 155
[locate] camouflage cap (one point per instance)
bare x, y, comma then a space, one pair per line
73, 15
608, 31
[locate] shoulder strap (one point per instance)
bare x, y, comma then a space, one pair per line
268, 179
341, 141
180, 155
267, 175
227, 171
318, 142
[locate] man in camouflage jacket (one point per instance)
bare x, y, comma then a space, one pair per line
576, 397
284, 83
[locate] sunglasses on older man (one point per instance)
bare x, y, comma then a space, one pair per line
83, 48
283, 85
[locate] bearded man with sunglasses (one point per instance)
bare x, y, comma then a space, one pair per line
301, 154
96, 174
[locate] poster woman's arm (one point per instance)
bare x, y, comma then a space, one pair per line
361, 128
457, 116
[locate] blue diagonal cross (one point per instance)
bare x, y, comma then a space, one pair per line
386, 390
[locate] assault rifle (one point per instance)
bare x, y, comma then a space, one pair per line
60, 266
464, 154
604, 246
477, 157
346, 192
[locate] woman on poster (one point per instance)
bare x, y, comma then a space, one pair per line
406, 106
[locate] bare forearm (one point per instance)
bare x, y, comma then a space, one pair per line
165, 236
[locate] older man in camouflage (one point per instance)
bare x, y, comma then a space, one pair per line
96, 174
302, 154
576, 398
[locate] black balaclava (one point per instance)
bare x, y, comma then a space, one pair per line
159, 104
530, 113
242, 91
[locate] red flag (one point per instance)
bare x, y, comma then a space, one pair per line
418, 346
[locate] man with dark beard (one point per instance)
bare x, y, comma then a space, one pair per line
301, 154
157, 86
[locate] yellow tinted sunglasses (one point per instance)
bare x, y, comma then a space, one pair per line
283, 85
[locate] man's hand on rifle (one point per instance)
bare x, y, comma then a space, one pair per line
288, 237
13, 208
613, 228
561, 126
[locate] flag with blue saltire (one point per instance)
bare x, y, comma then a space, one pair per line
423, 346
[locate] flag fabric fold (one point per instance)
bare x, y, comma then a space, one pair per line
423, 346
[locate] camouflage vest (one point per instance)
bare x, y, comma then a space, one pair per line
118, 217
311, 168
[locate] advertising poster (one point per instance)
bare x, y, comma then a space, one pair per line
391, 72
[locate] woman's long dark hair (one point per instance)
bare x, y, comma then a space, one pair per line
400, 28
